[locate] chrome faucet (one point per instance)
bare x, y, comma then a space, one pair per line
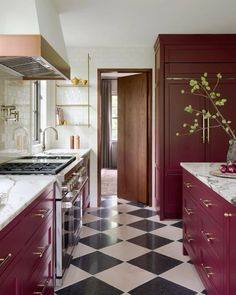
44, 131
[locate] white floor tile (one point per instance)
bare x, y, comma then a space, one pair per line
167, 222
125, 276
82, 250
125, 218
126, 208
184, 275
87, 231
124, 232
169, 232
124, 251
174, 250
74, 275
90, 218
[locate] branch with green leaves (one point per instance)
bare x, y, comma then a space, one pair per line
203, 89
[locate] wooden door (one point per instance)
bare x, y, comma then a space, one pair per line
132, 138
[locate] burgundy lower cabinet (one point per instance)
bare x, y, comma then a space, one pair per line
209, 238
26, 249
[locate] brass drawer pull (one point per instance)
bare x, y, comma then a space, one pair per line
188, 184
189, 211
207, 203
226, 214
206, 270
43, 286
40, 252
41, 213
189, 239
207, 236
4, 260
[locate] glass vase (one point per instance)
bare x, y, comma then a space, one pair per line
231, 154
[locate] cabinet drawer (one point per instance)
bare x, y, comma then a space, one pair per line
38, 213
211, 236
190, 227
41, 279
191, 185
208, 199
212, 273
40, 246
11, 241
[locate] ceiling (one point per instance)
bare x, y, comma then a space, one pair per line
119, 23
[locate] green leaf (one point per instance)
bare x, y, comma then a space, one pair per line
207, 115
188, 109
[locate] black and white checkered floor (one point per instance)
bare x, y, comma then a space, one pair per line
126, 249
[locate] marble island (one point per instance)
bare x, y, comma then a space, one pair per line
225, 187
19, 191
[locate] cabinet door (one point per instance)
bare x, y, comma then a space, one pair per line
178, 148
217, 139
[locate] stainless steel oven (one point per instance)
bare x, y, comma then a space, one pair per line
69, 205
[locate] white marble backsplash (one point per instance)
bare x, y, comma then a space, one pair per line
225, 187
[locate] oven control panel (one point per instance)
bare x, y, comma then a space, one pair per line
75, 180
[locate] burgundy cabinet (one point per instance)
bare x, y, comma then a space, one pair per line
209, 236
26, 249
180, 58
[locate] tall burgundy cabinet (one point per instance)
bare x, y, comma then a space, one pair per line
178, 58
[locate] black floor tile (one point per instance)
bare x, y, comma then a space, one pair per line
146, 225
144, 213
104, 212
155, 263
204, 292
90, 286
102, 224
161, 286
178, 224
99, 240
138, 204
150, 241
95, 262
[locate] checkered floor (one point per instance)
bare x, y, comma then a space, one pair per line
126, 249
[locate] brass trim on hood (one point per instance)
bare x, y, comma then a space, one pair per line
32, 57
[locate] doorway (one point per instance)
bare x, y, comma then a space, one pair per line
131, 143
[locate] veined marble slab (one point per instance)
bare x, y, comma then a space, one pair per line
74, 152
22, 190
225, 187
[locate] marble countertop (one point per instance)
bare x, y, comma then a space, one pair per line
225, 187
18, 191
73, 152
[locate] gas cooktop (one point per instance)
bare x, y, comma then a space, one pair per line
36, 165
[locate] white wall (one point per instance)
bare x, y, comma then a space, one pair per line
100, 58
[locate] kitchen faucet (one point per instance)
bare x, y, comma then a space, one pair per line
44, 131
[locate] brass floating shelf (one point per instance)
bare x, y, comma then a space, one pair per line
63, 99
73, 105
68, 124
71, 85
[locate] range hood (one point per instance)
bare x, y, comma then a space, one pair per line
32, 58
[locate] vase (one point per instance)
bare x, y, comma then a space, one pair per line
231, 154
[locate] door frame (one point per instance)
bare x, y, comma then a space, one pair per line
149, 127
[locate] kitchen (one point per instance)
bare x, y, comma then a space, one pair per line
16, 95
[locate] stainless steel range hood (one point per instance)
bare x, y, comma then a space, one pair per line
32, 58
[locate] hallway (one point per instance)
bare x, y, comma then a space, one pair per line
126, 249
